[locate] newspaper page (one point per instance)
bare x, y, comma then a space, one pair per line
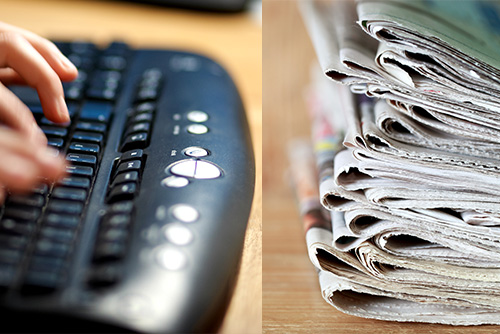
413, 194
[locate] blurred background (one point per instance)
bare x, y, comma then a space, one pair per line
228, 31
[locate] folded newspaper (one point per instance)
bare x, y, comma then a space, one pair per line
408, 159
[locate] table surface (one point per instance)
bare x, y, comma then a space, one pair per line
234, 40
292, 301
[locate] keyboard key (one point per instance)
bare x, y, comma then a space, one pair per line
105, 275
88, 136
125, 207
57, 234
113, 235
125, 191
116, 63
144, 117
91, 126
133, 165
51, 248
10, 256
132, 154
147, 93
137, 127
121, 220
34, 200
41, 189
62, 220
109, 251
75, 182
80, 171
84, 147
47, 263
69, 194
73, 91
41, 282
108, 94
24, 214
68, 207
10, 226
125, 177
138, 140
82, 159
54, 131
13, 241
45, 121
55, 142
96, 111
145, 107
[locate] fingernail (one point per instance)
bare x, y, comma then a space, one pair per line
67, 63
62, 109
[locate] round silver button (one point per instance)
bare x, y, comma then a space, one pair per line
197, 116
185, 213
183, 168
171, 258
197, 129
206, 170
195, 152
178, 234
198, 169
175, 182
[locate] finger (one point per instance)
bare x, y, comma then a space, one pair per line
15, 114
10, 77
51, 165
61, 65
3, 194
16, 52
17, 173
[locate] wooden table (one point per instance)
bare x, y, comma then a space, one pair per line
292, 301
234, 40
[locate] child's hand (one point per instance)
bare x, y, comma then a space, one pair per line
26, 58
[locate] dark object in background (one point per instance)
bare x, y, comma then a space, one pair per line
208, 5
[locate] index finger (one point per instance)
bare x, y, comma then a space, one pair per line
61, 65
16, 52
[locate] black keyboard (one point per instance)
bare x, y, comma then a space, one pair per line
146, 230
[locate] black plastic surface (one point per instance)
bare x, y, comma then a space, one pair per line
144, 296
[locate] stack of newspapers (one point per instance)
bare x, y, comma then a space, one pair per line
408, 152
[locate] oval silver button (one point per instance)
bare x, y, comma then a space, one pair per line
175, 182
185, 213
178, 234
195, 152
197, 129
171, 259
206, 170
197, 116
183, 168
